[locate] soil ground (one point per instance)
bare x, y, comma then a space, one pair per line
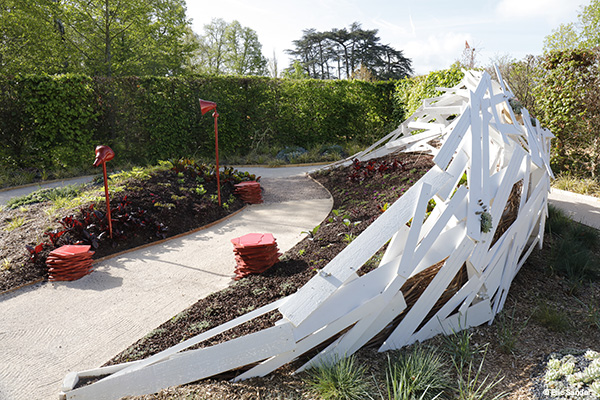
145, 210
359, 198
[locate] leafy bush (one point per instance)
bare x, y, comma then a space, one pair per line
551, 318
573, 248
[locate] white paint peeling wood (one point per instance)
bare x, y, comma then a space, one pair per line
486, 141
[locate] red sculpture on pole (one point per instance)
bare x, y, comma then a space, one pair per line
104, 154
206, 106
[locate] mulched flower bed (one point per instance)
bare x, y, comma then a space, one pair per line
357, 202
144, 210
361, 192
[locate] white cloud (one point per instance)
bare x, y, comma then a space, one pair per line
437, 51
392, 30
552, 11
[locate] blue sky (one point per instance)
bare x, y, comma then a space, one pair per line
432, 33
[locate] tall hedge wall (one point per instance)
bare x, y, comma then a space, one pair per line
49, 122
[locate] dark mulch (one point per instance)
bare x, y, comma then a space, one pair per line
144, 211
519, 366
357, 203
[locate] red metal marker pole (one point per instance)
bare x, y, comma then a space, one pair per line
107, 200
206, 106
104, 154
216, 115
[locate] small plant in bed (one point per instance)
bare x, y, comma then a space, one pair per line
147, 204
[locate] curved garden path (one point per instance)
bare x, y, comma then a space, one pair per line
50, 329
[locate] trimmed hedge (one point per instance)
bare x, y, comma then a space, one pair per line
50, 122
54, 122
410, 93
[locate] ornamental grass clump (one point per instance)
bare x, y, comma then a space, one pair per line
417, 374
341, 380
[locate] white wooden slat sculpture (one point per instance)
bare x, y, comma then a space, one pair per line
468, 250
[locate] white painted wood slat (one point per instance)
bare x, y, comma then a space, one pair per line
486, 141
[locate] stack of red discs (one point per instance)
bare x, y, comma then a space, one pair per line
69, 263
249, 192
254, 253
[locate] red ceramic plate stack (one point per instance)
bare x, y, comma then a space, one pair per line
249, 192
69, 263
254, 253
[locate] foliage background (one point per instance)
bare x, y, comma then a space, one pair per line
49, 122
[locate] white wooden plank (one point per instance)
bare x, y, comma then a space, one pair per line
396, 245
311, 295
425, 245
445, 110
476, 171
369, 308
364, 330
543, 224
508, 177
432, 326
483, 86
456, 169
421, 147
475, 315
191, 365
201, 337
525, 187
429, 297
408, 140
507, 274
346, 345
442, 248
429, 126
348, 297
73, 378
415, 228
442, 159
532, 140
485, 151
525, 256
522, 228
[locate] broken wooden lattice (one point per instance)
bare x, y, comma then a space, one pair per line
448, 271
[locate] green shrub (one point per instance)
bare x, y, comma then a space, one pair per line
410, 92
573, 248
54, 122
459, 347
472, 385
508, 330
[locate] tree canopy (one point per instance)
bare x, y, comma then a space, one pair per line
583, 34
342, 53
96, 37
229, 48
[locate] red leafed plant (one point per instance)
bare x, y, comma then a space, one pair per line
365, 169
